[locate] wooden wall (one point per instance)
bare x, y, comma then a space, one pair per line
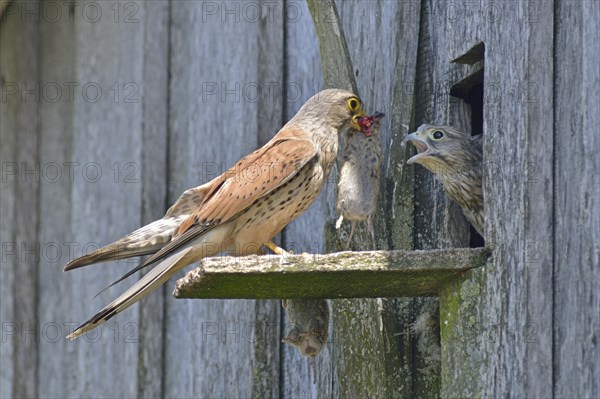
187, 88
576, 252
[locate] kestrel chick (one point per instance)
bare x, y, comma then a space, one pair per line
241, 210
456, 158
358, 187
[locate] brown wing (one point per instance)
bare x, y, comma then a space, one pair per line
251, 178
189, 201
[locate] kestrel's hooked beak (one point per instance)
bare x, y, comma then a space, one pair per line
359, 114
423, 148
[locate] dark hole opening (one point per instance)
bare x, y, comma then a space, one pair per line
470, 90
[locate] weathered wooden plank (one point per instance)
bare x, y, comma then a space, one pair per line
382, 38
461, 312
213, 122
577, 201
305, 234
335, 59
499, 331
99, 129
153, 179
460, 303
57, 291
267, 345
418, 351
518, 187
534, 333
7, 204
417, 355
439, 221
370, 274
19, 42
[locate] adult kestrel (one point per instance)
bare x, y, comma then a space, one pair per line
241, 210
456, 158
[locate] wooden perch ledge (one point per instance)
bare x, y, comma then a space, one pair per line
338, 275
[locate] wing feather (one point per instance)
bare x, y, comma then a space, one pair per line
149, 238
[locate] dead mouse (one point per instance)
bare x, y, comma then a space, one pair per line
358, 187
309, 322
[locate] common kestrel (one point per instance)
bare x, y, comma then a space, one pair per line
456, 158
241, 210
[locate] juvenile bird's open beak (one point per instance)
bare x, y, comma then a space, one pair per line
420, 144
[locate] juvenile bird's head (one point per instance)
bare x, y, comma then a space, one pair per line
443, 149
335, 108
456, 158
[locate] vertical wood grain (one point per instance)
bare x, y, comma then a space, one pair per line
20, 254
153, 178
518, 210
97, 143
214, 107
439, 222
577, 200
305, 234
211, 81
100, 130
57, 290
270, 104
382, 39
210, 129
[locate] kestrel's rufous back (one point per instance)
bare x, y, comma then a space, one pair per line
241, 210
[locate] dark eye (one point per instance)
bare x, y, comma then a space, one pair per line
353, 104
437, 135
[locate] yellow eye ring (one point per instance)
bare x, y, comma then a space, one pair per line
353, 104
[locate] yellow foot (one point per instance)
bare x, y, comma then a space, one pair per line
277, 249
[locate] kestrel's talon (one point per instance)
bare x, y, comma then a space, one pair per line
238, 209
282, 253
277, 250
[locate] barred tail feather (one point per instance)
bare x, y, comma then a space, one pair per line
157, 276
